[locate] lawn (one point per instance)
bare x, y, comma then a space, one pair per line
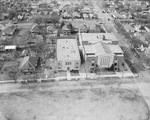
83, 104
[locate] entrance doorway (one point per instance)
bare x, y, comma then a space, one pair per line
68, 68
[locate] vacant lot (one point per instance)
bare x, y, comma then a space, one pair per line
93, 104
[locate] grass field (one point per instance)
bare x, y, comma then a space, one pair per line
91, 104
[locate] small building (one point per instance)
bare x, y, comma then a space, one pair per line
52, 30
65, 15
85, 16
66, 30
68, 56
143, 29
83, 29
10, 48
86, 10
28, 64
76, 15
9, 30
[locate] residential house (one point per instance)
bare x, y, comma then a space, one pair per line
86, 10
83, 29
143, 29
85, 16
68, 56
37, 29
9, 30
130, 28
28, 64
65, 15
66, 30
52, 30
76, 15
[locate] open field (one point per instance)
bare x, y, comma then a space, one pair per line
82, 104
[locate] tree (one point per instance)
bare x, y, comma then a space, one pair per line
14, 73
12, 14
55, 18
38, 20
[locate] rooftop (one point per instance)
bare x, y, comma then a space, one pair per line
103, 49
67, 49
115, 49
95, 37
97, 48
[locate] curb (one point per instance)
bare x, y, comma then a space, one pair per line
64, 79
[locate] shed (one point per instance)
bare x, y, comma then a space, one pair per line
10, 47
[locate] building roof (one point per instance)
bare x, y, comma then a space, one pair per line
9, 30
10, 47
67, 49
89, 49
28, 59
98, 48
95, 37
65, 28
115, 49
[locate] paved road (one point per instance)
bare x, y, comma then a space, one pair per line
21, 25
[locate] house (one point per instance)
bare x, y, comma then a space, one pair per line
89, 38
52, 30
85, 16
9, 30
130, 28
10, 48
66, 30
68, 56
143, 29
83, 29
65, 15
86, 10
76, 15
28, 64
37, 29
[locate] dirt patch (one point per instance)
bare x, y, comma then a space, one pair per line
92, 104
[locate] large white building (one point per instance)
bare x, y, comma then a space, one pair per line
101, 49
68, 57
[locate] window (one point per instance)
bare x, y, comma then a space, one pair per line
68, 63
58, 63
58, 67
77, 67
92, 64
115, 64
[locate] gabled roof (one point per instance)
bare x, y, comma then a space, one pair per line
142, 28
31, 60
65, 28
98, 48
83, 27
9, 29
